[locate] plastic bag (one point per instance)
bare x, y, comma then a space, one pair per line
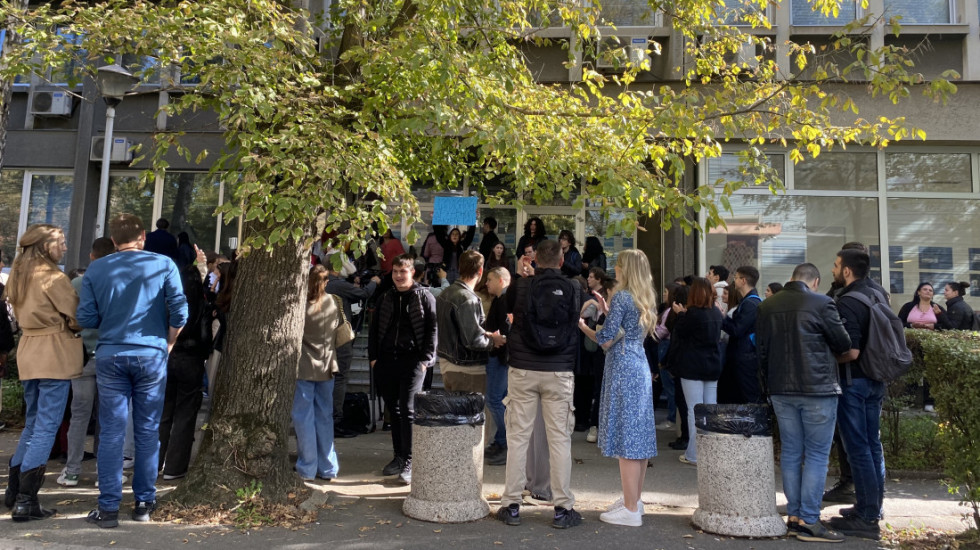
747, 420
441, 408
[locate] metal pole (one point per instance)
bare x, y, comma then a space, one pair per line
110, 118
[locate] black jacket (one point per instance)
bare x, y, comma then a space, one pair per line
856, 317
694, 341
462, 339
740, 327
572, 263
196, 338
798, 337
487, 243
522, 356
393, 307
497, 320
958, 315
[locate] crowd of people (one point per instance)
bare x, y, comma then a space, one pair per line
555, 342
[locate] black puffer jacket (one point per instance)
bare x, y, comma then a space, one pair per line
958, 315
522, 356
694, 352
799, 334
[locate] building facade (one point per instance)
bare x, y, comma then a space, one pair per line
913, 203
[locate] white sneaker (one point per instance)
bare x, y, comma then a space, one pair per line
619, 504
593, 435
66, 479
666, 425
929, 408
128, 463
622, 516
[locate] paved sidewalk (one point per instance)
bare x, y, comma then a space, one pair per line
364, 511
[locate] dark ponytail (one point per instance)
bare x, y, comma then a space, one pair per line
959, 287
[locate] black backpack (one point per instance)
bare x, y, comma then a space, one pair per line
886, 356
551, 313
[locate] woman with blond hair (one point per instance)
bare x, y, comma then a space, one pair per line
49, 356
626, 423
313, 399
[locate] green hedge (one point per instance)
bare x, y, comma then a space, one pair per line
950, 360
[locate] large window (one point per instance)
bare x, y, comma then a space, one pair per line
776, 233
927, 231
936, 241
130, 194
189, 202
629, 13
838, 172
936, 172
11, 189
803, 14
603, 227
919, 12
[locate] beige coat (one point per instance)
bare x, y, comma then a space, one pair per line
50, 346
318, 361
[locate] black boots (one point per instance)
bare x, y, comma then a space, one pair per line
27, 506
13, 487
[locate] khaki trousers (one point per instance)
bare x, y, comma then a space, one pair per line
553, 390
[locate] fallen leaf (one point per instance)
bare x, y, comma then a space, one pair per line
69, 501
437, 530
399, 524
689, 536
579, 461
383, 521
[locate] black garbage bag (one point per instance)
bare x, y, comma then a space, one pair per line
747, 420
440, 408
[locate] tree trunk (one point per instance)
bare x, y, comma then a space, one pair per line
247, 436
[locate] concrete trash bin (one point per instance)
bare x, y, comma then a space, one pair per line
447, 458
736, 472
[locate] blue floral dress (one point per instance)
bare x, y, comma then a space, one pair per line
627, 428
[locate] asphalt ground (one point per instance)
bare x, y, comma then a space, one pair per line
362, 509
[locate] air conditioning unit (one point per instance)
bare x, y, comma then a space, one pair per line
613, 53
120, 151
50, 103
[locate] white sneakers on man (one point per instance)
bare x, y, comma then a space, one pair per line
618, 514
593, 435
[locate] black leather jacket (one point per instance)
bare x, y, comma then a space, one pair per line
799, 334
459, 314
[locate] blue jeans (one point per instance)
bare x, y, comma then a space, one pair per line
859, 418
46, 400
695, 392
806, 430
313, 421
496, 392
142, 378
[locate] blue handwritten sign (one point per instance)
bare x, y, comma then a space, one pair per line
454, 211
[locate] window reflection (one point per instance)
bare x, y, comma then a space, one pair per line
130, 194
11, 189
803, 14
838, 172
50, 200
189, 202
937, 241
775, 234
942, 172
